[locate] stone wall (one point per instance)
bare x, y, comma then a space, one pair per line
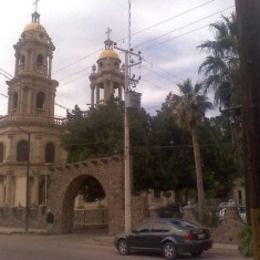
139, 209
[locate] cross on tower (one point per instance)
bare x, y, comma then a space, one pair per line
36, 4
108, 32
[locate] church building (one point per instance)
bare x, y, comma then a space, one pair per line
30, 129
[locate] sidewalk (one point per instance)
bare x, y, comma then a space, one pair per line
107, 241
10, 231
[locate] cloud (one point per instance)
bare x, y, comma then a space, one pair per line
78, 28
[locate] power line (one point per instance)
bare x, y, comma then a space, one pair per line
7, 74
184, 26
75, 73
173, 17
172, 38
158, 74
4, 75
1, 94
77, 61
177, 36
154, 84
160, 68
136, 33
75, 79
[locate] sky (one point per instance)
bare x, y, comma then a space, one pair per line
167, 32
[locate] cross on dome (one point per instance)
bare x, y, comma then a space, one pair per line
108, 43
36, 5
108, 32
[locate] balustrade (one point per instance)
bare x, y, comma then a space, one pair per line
9, 119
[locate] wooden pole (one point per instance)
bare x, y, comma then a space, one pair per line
248, 12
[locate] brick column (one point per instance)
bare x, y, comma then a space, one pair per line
35, 189
38, 156
10, 149
1, 191
97, 95
8, 198
92, 95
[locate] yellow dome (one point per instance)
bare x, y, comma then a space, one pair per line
108, 53
34, 26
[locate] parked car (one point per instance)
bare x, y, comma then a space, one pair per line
168, 236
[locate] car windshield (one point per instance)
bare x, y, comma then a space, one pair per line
180, 224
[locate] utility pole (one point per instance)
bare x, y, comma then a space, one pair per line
248, 12
132, 100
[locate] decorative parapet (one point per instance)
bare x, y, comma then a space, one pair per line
8, 120
103, 161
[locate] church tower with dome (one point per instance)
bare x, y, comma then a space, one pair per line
107, 78
30, 130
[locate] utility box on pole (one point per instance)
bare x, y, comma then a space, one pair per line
133, 99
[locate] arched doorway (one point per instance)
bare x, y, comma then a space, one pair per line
89, 204
67, 182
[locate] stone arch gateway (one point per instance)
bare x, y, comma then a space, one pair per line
66, 179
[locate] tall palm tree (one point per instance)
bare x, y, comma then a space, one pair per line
189, 110
221, 66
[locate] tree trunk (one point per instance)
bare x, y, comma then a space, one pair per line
199, 178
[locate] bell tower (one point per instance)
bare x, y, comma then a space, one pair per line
107, 78
30, 134
32, 90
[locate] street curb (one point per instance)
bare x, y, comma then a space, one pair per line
107, 243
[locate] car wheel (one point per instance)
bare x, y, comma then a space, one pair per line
169, 250
123, 247
196, 253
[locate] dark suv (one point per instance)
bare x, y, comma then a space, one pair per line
169, 236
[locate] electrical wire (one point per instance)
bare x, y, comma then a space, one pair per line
170, 39
8, 75
184, 26
77, 61
173, 17
75, 73
136, 33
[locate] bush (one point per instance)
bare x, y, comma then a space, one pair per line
245, 245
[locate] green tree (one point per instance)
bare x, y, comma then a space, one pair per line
220, 165
221, 66
170, 153
99, 132
189, 110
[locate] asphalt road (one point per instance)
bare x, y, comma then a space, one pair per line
71, 247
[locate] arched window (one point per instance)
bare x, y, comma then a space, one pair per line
49, 153
15, 100
22, 151
40, 59
22, 60
40, 98
1, 152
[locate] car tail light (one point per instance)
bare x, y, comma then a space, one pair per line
188, 236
